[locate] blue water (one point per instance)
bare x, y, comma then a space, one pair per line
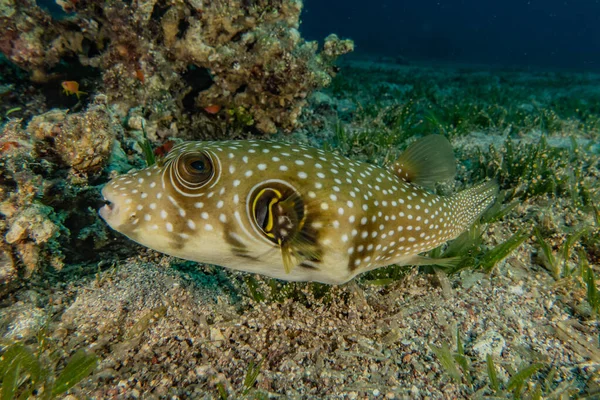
546, 33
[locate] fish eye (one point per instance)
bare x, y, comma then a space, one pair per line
195, 168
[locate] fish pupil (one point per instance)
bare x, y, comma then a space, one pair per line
198, 165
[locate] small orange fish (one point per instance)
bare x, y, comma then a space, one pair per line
72, 87
213, 109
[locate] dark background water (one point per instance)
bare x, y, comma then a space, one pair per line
547, 33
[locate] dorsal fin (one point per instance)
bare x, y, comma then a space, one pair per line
426, 161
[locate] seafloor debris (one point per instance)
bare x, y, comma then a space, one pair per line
177, 58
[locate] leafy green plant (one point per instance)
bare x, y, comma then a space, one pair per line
517, 381
451, 361
19, 369
24, 374
262, 289
251, 376
489, 259
142, 325
557, 263
498, 210
386, 275
593, 297
462, 360
12, 110
446, 358
472, 255
253, 289
148, 152
550, 261
491, 371
79, 366
379, 133
223, 395
525, 170
460, 368
147, 149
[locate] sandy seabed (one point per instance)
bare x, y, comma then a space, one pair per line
164, 332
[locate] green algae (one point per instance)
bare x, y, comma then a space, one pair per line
593, 296
521, 383
24, 374
251, 376
79, 366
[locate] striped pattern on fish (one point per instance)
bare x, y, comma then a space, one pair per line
290, 211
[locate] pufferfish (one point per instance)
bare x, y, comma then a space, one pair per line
293, 212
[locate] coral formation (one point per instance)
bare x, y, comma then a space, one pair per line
32, 41
44, 170
176, 57
82, 141
32, 228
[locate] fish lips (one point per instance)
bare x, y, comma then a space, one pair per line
110, 208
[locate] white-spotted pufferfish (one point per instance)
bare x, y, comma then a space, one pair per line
293, 212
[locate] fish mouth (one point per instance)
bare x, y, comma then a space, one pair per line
109, 207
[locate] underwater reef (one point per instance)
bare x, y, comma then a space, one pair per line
91, 92
246, 58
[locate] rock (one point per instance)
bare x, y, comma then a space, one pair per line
32, 223
322, 99
471, 279
216, 336
491, 342
31, 231
8, 272
25, 321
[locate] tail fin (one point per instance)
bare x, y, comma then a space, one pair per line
471, 203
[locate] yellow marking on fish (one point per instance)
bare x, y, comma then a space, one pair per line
291, 211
